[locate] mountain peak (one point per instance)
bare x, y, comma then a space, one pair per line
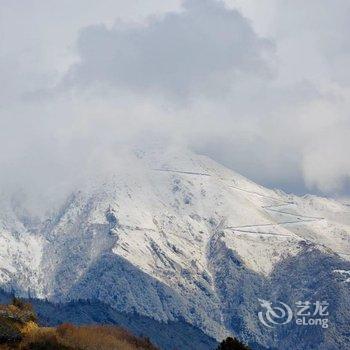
149, 237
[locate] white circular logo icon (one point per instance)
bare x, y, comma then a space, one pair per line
273, 315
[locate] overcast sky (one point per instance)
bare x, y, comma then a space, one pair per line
262, 86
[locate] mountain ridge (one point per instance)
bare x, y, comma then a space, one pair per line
179, 219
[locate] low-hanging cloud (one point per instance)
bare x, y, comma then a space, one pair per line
274, 108
250, 105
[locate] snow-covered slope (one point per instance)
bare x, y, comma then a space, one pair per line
20, 252
160, 235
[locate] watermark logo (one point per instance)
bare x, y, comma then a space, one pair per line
274, 315
306, 313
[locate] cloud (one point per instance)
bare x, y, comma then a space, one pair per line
205, 46
270, 102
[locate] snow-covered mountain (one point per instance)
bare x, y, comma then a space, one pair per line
175, 236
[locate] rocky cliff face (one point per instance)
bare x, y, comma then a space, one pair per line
176, 236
